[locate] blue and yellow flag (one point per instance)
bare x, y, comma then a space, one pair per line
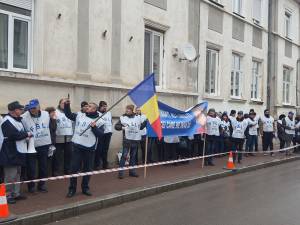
144, 97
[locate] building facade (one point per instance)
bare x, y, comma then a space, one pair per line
99, 49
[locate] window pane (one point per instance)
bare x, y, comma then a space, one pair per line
287, 92
207, 75
3, 40
213, 72
147, 54
232, 82
156, 58
20, 44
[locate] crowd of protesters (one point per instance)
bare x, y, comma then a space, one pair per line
36, 143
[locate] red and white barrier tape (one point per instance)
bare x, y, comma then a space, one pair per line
138, 166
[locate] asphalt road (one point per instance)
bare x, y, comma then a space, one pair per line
264, 197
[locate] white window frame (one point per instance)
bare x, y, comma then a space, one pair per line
288, 24
216, 82
286, 86
256, 80
234, 72
254, 12
237, 6
11, 17
161, 35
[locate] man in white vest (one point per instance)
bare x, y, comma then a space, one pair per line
104, 140
61, 161
84, 145
267, 130
288, 124
14, 149
130, 124
37, 122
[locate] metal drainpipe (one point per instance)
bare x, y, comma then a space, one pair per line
269, 75
297, 87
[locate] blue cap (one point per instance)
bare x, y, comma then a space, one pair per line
291, 113
34, 103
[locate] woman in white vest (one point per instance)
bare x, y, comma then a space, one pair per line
14, 149
225, 133
130, 124
213, 127
252, 133
61, 162
37, 122
288, 124
239, 127
267, 129
143, 140
84, 145
104, 140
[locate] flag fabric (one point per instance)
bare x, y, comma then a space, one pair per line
176, 122
144, 97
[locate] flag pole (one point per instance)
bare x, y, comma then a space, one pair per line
109, 109
146, 156
203, 151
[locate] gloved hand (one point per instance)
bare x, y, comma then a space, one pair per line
51, 150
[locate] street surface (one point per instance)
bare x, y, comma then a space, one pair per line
268, 196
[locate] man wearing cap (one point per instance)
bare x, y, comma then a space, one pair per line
288, 124
267, 129
14, 148
37, 122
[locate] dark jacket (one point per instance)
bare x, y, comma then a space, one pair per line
52, 127
97, 131
9, 155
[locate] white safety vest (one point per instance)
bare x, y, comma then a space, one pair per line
256, 119
88, 139
267, 123
144, 131
290, 124
107, 118
39, 127
212, 126
252, 129
225, 126
171, 139
21, 144
239, 128
132, 127
1, 134
232, 119
64, 125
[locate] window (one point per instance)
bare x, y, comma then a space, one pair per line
287, 24
14, 41
286, 85
153, 55
256, 68
238, 6
212, 71
257, 11
236, 76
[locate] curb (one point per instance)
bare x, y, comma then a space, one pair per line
76, 209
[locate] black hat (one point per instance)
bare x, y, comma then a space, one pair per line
84, 103
14, 105
240, 113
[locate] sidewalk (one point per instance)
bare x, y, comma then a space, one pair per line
106, 184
